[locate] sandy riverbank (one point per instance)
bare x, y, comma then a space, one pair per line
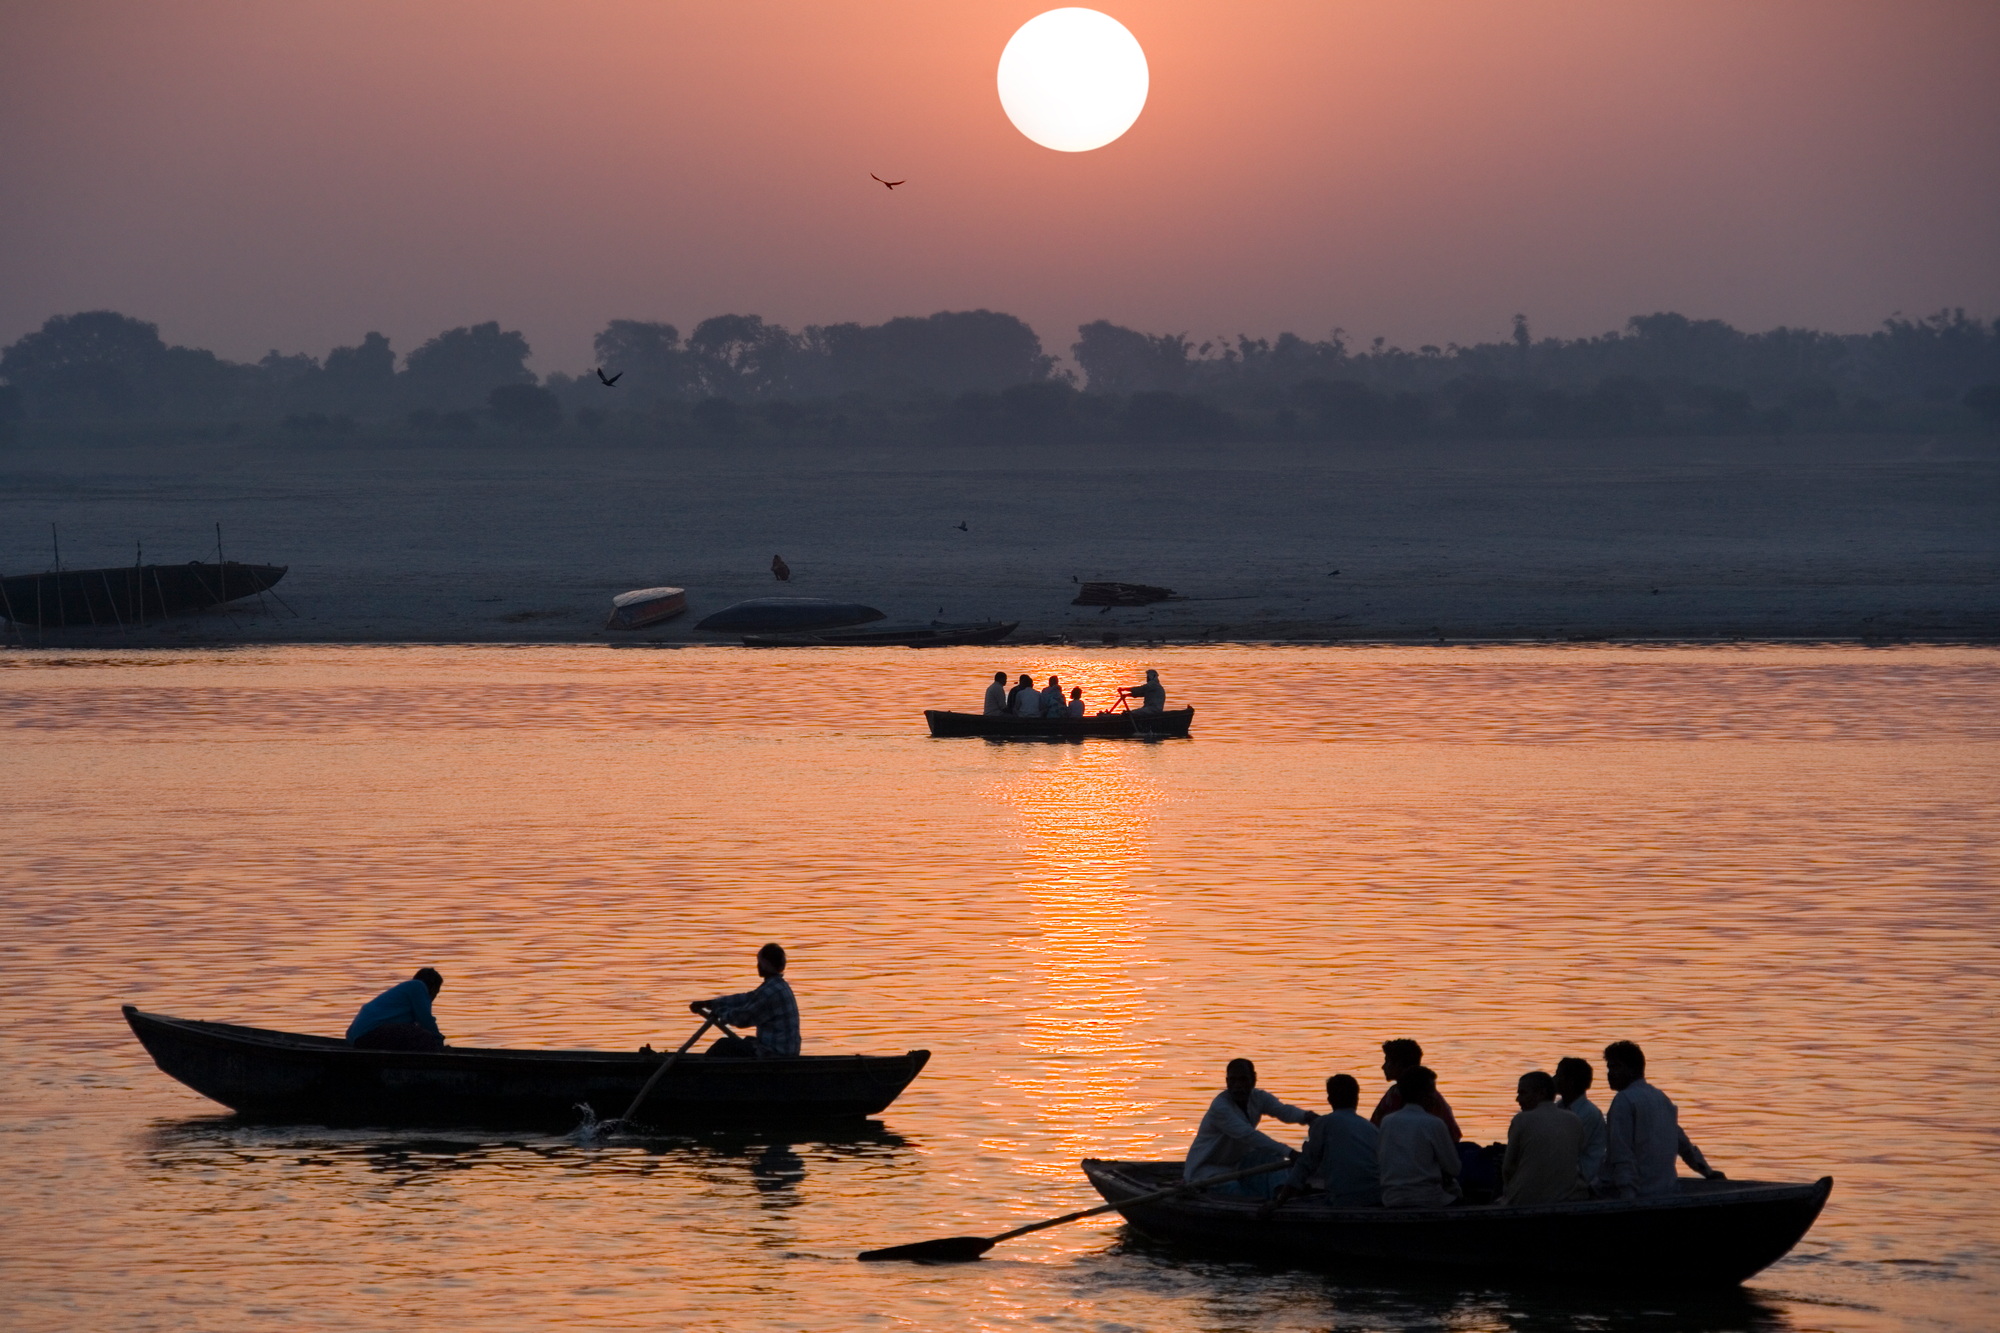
528, 541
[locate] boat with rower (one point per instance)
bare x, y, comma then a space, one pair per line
297, 1078
1711, 1233
1116, 724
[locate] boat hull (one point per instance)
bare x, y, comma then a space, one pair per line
787, 615
290, 1077
1124, 725
129, 594
1712, 1234
648, 606
934, 635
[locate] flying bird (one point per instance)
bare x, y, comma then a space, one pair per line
780, 569
611, 383
887, 184
962, 527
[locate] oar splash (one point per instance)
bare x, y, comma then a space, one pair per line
593, 1130
961, 1249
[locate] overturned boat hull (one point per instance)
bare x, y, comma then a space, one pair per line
937, 634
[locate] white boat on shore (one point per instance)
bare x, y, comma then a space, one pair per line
646, 606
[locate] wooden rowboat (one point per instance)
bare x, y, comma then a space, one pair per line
646, 606
1145, 726
787, 615
287, 1076
1713, 1233
129, 594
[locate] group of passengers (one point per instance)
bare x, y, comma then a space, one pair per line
1024, 700
1410, 1153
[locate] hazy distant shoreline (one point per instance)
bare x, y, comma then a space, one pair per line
1839, 538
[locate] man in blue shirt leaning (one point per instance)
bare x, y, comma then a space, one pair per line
400, 1019
1339, 1156
771, 1009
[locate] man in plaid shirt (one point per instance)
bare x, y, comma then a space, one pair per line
770, 1009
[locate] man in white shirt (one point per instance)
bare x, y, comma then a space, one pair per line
1573, 1076
1024, 700
1644, 1129
996, 695
1419, 1157
1229, 1139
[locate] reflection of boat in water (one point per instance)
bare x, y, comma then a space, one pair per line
646, 606
288, 1076
937, 634
1713, 1233
1173, 722
129, 594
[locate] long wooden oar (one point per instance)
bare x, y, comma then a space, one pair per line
959, 1249
666, 1064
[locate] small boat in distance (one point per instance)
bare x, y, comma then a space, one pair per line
646, 606
129, 594
788, 615
937, 634
1118, 724
1714, 1233
291, 1077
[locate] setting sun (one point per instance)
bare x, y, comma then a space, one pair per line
1073, 79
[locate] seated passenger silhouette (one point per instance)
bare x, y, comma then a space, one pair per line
1544, 1147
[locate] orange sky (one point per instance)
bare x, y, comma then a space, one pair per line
254, 175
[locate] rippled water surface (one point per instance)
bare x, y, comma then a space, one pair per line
1774, 867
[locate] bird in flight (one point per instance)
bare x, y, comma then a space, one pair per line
611, 383
780, 569
887, 184
962, 527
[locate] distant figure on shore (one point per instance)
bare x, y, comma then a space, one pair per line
1644, 1129
771, 1009
780, 570
1152, 695
996, 695
1024, 700
1053, 703
1419, 1155
1075, 707
1340, 1153
400, 1018
1573, 1078
1400, 1055
1544, 1147
1229, 1140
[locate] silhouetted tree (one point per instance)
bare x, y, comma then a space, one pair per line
96, 363
525, 407
1340, 409
739, 356
1160, 416
647, 354
952, 351
458, 368
360, 379
1119, 360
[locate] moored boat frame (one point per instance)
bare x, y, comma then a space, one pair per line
292, 1077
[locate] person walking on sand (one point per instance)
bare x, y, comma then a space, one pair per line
996, 695
1024, 700
1152, 695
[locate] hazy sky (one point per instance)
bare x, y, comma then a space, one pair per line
255, 175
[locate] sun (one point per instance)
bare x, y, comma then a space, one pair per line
1073, 79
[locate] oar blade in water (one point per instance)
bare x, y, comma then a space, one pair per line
949, 1250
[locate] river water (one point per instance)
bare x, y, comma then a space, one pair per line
1775, 867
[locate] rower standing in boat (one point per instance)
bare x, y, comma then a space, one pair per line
771, 1009
1229, 1139
1152, 695
400, 1018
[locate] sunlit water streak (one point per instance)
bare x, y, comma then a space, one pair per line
1774, 866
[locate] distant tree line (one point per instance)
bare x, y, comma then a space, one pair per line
981, 375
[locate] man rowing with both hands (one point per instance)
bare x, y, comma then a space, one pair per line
771, 1009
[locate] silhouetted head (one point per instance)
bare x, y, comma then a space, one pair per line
1624, 1064
432, 979
1398, 1055
1342, 1092
771, 960
1534, 1088
1572, 1078
1152, 676
1028, 681
999, 678
1417, 1084
1240, 1077
1054, 684
1076, 693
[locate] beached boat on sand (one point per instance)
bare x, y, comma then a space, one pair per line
787, 615
646, 606
129, 594
287, 1076
1118, 724
1713, 1233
